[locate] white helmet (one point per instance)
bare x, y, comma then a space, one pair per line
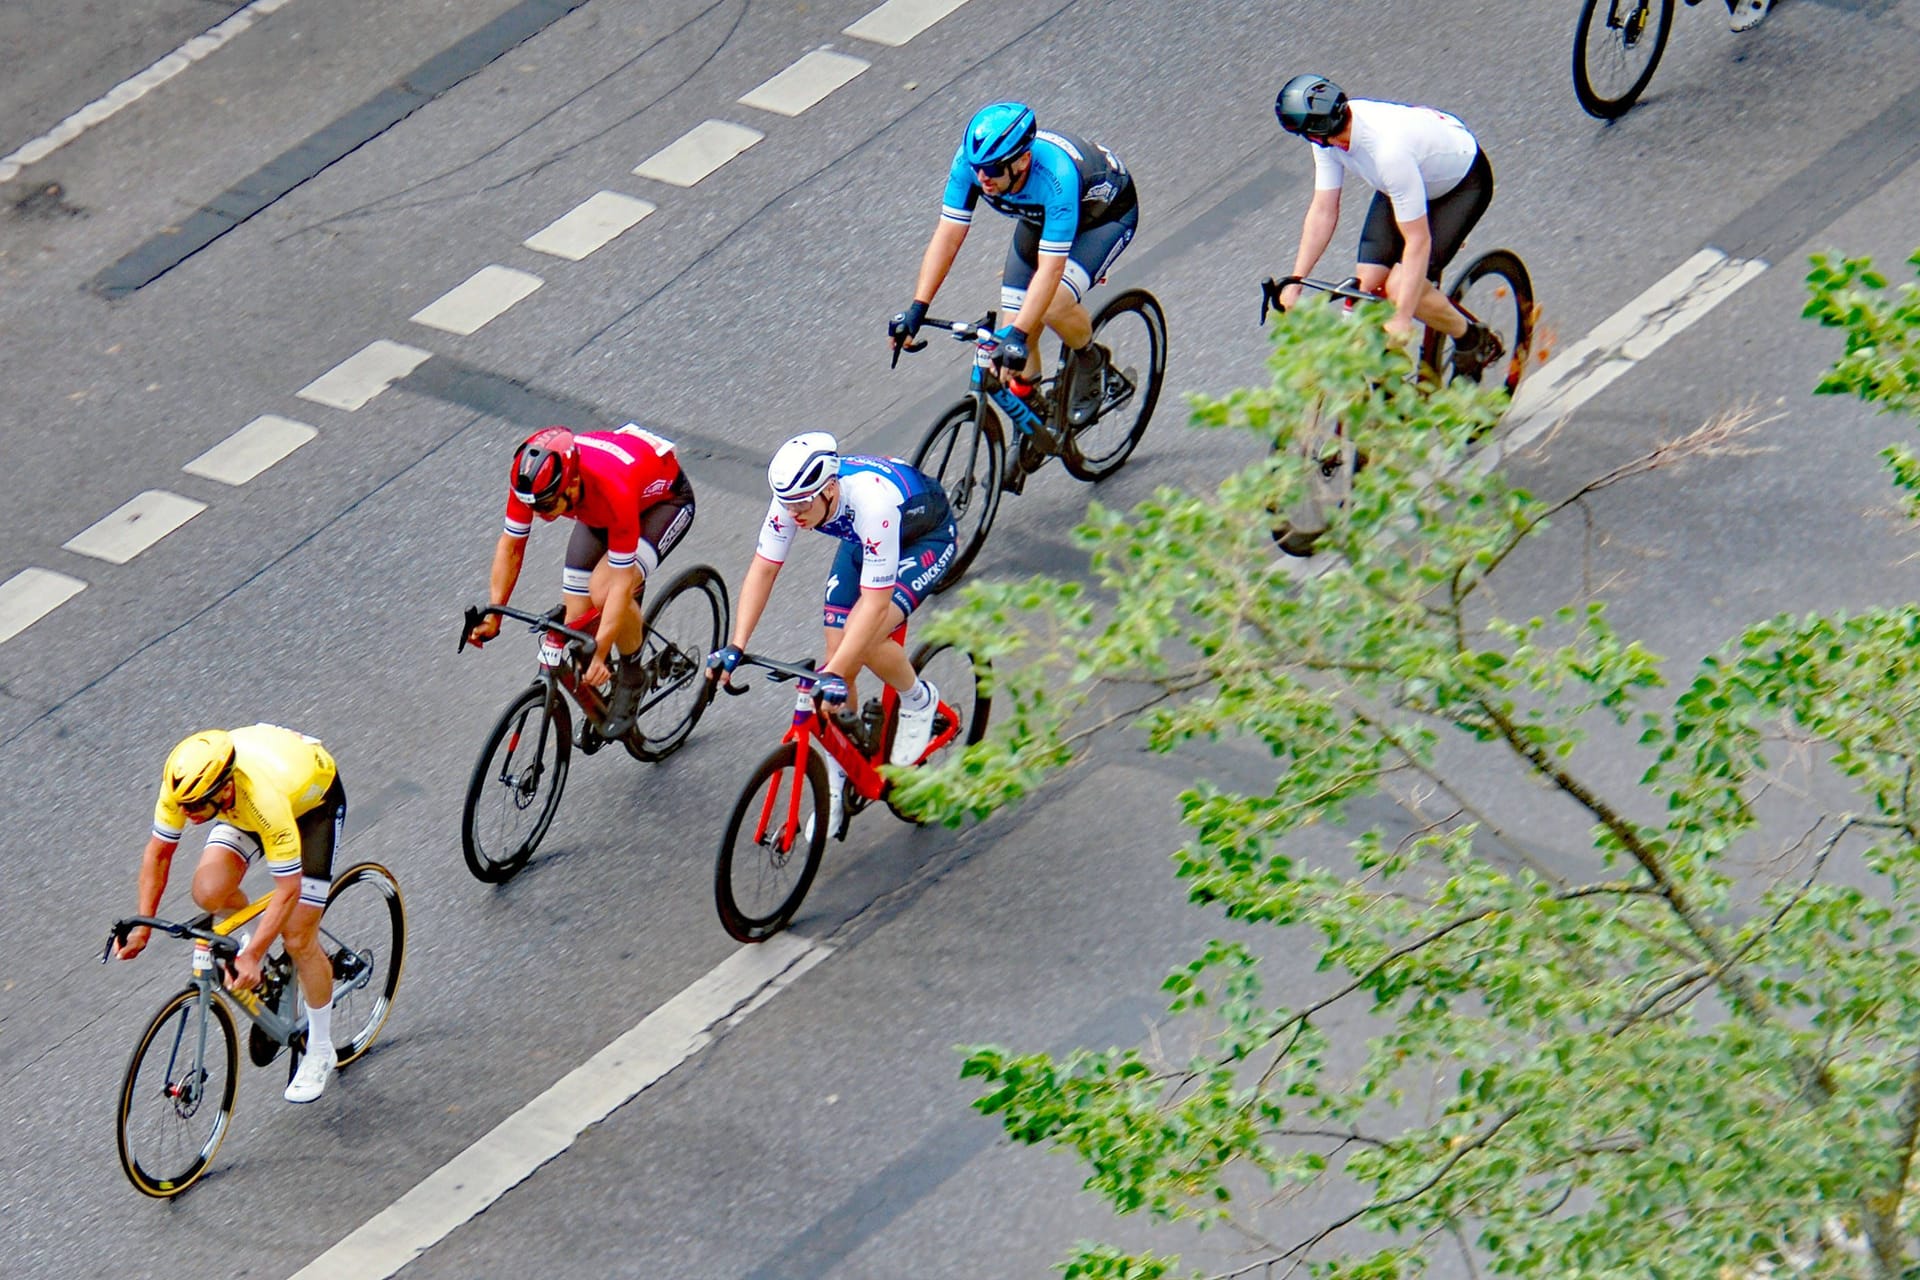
802, 466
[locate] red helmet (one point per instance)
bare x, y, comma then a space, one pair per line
545, 466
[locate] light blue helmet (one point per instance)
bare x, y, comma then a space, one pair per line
997, 133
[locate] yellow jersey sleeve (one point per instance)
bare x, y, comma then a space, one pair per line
278, 775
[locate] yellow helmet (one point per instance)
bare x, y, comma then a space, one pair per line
198, 767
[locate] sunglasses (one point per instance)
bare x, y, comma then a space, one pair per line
998, 169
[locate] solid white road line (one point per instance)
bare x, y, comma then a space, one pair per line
135, 526
131, 90
478, 300
364, 375
31, 595
1581, 371
808, 80
698, 152
589, 225
251, 450
898, 21
548, 1125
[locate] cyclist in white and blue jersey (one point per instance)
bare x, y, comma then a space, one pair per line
896, 539
1077, 210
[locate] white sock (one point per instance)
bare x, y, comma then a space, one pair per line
320, 1027
836, 776
918, 698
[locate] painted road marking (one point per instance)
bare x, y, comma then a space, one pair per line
589, 225
548, 1125
125, 533
698, 152
812, 78
134, 88
898, 21
31, 595
251, 450
364, 375
478, 300
1665, 310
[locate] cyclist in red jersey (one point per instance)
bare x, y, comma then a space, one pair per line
631, 505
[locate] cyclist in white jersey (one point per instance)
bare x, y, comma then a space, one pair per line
1431, 183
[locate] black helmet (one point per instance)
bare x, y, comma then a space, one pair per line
1312, 105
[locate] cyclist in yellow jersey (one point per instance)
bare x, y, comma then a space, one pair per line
277, 795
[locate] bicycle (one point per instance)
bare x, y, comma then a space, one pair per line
1509, 300
778, 830
517, 781
1615, 57
965, 450
176, 1100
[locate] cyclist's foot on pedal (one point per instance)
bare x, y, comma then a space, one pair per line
1087, 384
915, 728
1748, 14
836, 815
1474, 350
1014, 478
310, 1081
629, 682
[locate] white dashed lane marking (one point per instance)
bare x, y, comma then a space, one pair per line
806, 82
898, 21
251, 450
31, 595
125, 533
478, 300
589, 225
364, 375
134, 88
548, 1125
698, 152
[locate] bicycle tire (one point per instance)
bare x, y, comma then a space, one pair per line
365, 974
741, 851
677, 653
142, 1167
971, 701
1618, 35
492, 866
1149, 347
972, 491
1507, 307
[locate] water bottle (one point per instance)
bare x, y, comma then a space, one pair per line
870, 717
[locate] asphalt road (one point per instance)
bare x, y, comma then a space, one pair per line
824, 1134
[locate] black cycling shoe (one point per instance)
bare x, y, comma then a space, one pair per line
1474, 350
1086, 384
629, 683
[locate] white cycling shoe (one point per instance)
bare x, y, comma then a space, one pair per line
310, 1081
914, 730
1748, 14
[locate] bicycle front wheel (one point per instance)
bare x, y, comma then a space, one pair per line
965, 452
764, 872
688, 622
1134, 331
516, 785
961, 681
1615, 50
177, 1099
364, 932
1496, 290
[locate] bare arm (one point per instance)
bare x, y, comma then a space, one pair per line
155, 862
938, 259
509, 553
1316, 233
754, 593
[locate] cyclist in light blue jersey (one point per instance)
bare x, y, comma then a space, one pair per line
1077, 210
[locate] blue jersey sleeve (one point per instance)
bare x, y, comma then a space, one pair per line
1054, 185
962, 192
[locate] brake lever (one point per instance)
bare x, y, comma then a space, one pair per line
908, 345
473, 618
1270, 298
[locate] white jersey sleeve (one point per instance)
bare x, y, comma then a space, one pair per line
1409, 154
776, 533
875, 503
1329, 169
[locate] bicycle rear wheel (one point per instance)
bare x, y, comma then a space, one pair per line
175, 1102
1496, 290
1133, 329
961, 681
762, 876
364, 932
966, 453
687, 622
1615, 50
516, 785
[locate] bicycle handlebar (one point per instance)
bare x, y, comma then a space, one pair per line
777, 671
1271, 289
224, 945
548, 621
976, 331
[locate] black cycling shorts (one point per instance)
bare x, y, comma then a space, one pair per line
662, 526
1449, 218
